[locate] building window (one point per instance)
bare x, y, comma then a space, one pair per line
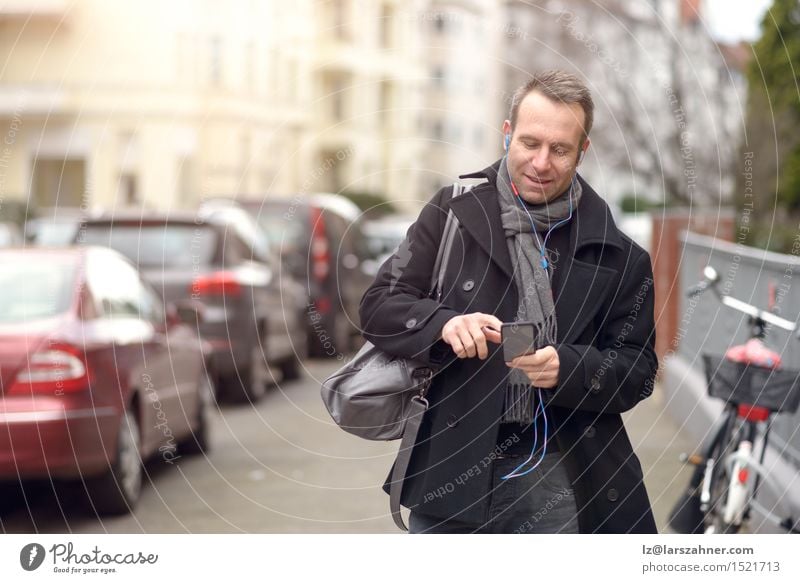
127, 190
387, 27
272, 71
439, 23
335, 96
249, 65
59, 182
386, 104
333, 179
215, 61
437, 130
438, 75
293, 79
340, 25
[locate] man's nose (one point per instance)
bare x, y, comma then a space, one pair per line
540, 160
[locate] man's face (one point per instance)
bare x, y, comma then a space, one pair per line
544, 148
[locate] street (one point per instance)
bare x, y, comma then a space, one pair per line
284, 467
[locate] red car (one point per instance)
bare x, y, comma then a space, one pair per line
95, 374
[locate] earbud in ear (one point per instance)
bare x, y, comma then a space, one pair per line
580, 157
507, 140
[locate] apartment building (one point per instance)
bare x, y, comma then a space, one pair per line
368, 79
111, 103
465, 101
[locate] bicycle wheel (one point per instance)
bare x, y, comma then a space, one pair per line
721, 478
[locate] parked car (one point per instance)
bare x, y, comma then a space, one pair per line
54, 227
321, 244
96, 374
218, 263
10, 235
384, 236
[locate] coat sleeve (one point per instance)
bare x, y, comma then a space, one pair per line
396, 313
618, 370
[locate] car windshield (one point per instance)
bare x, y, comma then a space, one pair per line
285, 227
156, 245
35, 287
52, 233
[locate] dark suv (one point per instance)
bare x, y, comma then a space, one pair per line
218, 264
321, 244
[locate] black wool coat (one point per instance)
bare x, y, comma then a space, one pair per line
606, 348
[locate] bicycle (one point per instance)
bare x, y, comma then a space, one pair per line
749, 378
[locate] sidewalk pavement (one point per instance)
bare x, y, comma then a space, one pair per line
658, 440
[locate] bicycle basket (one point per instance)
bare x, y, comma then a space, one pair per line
740, 383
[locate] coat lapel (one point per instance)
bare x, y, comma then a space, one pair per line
478, 212
586, 285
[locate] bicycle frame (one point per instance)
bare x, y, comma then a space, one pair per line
729, 454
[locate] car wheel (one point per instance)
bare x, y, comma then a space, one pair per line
332, 339
290, 369
199, 440
344, 335
118, 490
253, 383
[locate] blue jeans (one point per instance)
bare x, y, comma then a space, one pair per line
540, 502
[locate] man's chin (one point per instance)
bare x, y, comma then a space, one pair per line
534, 196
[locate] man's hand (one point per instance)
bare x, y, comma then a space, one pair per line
467, 334
541, 367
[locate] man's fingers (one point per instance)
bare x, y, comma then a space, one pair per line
535, 359
543, 380
468, 343
455, 343
480, 340
492, 335
468, 335
487, 320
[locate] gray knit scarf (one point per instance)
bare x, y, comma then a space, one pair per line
531, 278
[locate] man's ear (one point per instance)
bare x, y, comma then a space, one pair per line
582, 152
506, 134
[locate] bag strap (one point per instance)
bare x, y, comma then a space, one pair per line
414, 420
419, 404
445, 245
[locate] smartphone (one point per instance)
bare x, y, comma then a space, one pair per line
518, 338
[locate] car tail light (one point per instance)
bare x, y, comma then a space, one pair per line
53, 369
220, 283
320, 252
753, 413
323, 305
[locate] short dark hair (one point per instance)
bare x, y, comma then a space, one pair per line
558, 86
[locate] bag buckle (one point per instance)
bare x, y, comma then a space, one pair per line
421, 399
423, 375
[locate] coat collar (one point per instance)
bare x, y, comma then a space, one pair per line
479, 211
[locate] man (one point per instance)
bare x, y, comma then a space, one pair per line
535, 444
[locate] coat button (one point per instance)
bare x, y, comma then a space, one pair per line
590, 431
411, 323
452, 421
612, 494
468, 285
594, 385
